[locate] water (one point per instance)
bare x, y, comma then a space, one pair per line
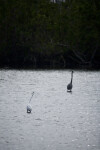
59, 120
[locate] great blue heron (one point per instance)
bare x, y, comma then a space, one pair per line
29, 108
69, 86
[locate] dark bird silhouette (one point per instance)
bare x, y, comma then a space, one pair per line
70, 86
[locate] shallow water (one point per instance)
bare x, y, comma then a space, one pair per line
59, 120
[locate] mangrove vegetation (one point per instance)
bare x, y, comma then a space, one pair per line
42, 34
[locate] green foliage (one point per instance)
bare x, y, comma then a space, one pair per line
44, 34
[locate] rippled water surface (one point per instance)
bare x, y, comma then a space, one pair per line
59, 120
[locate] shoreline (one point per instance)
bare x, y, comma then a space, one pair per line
49, 68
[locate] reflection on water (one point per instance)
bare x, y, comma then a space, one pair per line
59, 120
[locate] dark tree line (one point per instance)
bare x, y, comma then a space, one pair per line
41, 34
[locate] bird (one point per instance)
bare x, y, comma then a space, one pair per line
70, 86
29, 107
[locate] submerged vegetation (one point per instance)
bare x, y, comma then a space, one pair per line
41, 34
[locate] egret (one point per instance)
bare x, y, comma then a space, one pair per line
29, 108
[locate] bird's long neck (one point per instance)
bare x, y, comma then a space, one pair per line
71, 77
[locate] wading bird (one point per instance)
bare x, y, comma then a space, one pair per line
69, 86
29, 108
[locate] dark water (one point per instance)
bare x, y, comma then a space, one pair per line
59, 120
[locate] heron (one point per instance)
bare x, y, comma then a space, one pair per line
29, 108
69, 86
